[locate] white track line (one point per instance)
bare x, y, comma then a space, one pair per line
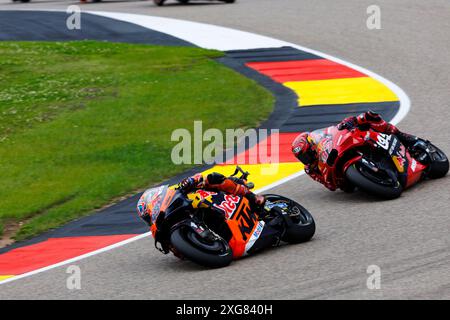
219, 38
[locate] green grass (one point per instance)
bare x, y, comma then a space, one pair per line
82, 123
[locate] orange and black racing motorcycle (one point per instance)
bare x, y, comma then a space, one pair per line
213, 228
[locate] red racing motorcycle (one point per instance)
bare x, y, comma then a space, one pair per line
375, 162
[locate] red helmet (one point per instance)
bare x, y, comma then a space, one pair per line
302, 149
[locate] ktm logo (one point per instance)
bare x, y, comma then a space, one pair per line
246, 221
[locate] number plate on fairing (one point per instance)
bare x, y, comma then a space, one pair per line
383, 141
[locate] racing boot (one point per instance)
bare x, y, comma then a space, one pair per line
418, 148
407, 139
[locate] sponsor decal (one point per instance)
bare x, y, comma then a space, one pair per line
246, 220
383, 140
258, 230
229, 205
393, 145
205, 194
255, 236
413, 165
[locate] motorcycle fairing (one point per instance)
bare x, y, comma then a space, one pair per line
242, 225
409, 169
240, 218
415, 170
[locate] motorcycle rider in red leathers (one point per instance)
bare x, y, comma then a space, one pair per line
304, 148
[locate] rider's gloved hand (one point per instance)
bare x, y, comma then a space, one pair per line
348, 123
187, 184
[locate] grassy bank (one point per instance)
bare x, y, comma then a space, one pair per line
82, 123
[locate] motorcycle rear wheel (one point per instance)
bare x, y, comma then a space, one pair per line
356, 177
303, 227
211, 254
439, 165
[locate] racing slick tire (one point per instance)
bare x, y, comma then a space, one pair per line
303, 225
302, 230
365, 184
439, 163
211, 254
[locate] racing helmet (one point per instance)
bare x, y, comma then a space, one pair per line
149, 205
143, 211
302, 149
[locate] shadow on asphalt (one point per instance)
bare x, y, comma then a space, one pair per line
360, 197
171, 263
190, 4
74, 2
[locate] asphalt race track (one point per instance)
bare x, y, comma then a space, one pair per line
407, 238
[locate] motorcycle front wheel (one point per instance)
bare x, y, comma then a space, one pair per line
205, 252
365, 180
